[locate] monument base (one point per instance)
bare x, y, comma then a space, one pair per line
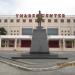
39, 43
39, 52
39, 56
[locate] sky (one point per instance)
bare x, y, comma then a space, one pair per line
11, 7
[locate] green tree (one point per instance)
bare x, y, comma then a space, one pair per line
3, 31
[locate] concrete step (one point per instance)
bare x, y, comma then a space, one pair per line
39, 56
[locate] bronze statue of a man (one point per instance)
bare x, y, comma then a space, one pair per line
39, 18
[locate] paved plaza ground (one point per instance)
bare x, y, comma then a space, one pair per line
36, 63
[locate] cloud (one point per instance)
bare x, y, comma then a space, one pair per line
46, 6
33, 6
7, 7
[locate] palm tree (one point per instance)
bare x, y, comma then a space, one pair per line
3, 31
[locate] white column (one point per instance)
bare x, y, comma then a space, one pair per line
7, 43
19, 42
0, 42
74, 43
20, 30
63, 44
15, 43
59, 29
59, 43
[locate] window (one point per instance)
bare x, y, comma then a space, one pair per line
43, 20
5, 20
33, 15
65, 34
11, 20
0, 20
14, 34
74, 20
74, 32
68, 44
26, 43
52, 31
24, 20
26, 31
11, 34
11, 43
14, 30
62, 20
68, 34
68, 31
49, 20
29, 15
55, 20
18, 20
65, 30
53, 43
68, 20
3, 43
17, 33
62, 34
30, 20
62, 31
11, 30
35, 20
17, 30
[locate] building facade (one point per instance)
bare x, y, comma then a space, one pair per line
60, 30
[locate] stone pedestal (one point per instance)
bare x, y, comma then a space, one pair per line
39, 43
